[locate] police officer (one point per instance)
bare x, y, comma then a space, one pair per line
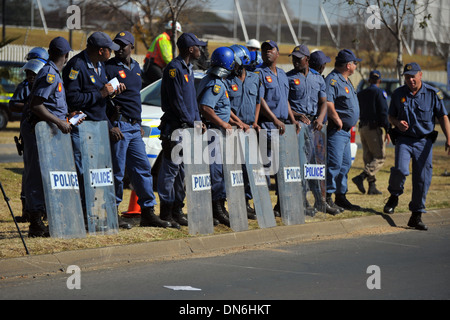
253, 45
274, 93
243, 90
179, 103
373, 117
47, 103
214, 105
17, 104
308, 101
343, 113
413, 109
318, 61
87, 89
127, 146
159, 54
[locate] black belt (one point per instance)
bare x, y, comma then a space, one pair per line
311, 117
127, 120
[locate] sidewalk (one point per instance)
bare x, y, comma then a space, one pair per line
213, 245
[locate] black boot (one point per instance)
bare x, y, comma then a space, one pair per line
251, 213
149, 219
416, 221
277, 209
331, 207
165, 213
37, 227
391, 204
342, 201
177, 214
219, 214
359, 181
373, 188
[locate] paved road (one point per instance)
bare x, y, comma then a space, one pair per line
412, 265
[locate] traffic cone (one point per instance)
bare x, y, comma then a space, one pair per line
133, 207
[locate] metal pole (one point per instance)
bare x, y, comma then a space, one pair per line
286, 15
12, 214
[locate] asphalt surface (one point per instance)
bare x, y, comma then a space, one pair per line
211, 245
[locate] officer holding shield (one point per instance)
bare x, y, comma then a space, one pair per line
179, 103
47, 103
413, 110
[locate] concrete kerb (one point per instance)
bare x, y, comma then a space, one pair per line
206, 245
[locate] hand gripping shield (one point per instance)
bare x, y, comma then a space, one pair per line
60, 182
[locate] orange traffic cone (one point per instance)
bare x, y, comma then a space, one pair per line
133, 207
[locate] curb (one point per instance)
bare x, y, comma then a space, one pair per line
207, 245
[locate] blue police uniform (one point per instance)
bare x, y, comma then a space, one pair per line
83, 84
212, 92
305, 91
415, 144
179, 103
130, 151
244, 96
343, 95
48, 85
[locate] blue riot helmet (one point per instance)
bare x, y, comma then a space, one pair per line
256, 60
242, 53
38, 53
33, 65
223, 61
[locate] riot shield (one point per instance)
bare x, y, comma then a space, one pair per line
289, 178
60, 182
197, 182
257, 179
312, 153
234, 181
101, 209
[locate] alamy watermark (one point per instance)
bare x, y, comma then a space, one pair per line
374, 20
74, 20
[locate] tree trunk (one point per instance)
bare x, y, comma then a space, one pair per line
399, 59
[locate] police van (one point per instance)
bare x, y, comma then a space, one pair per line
10, 76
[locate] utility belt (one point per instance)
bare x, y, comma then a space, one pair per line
126, 119
311, 117
331, 125
394, 134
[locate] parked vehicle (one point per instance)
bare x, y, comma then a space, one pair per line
10, 76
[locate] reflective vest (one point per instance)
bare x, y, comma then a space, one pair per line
160, 50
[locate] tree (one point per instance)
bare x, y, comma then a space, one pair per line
393, 14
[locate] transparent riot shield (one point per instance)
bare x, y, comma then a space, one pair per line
289, 176
60, 182
234, 181
257, 179
197, 182
312, 152
99, 189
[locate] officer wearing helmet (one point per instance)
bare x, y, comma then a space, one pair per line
214, 106
159, 54
253, 45
243, 90
17, 104
37, 53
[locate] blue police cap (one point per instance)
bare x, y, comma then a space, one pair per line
375, 74
411, 68
300, 51
345, 56
271, 43
102, 40
125, 37
59, 46
187, 40
318, 58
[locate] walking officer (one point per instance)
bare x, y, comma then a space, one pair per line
343, 113
127, 146
179, 103
413, 109
373, 118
